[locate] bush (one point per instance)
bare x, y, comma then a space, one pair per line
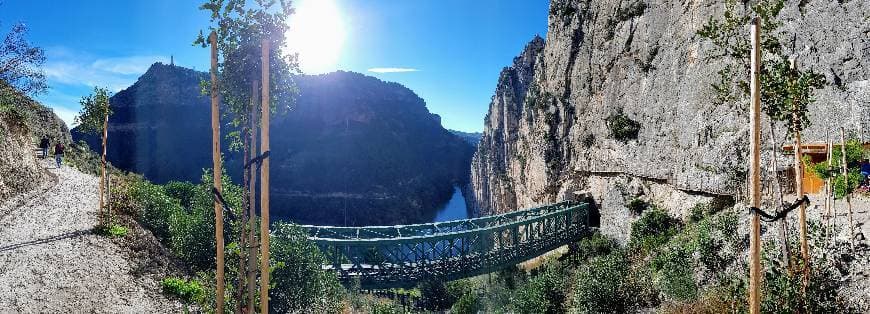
187, 291
299, 283
111, 230
637, 206
184, 192
675, 273
622, 128
653, 229
543, 293
434, 295
467, 304
598, 285
589, 247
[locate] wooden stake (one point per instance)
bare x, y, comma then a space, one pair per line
264, 183
216, 160
846, 190
103, 167
252, 201
799, 184
783, 224
755, 169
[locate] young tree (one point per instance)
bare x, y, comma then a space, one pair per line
93, 118
20, 62
786, 91
240, 27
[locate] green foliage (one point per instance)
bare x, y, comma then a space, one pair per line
652, 230
635, 9
95, 109
675, 274
240, 26
184, 192
786, 93
854, 155
622, 128
468, 303
782, 286
637, 206
298, 282
20, 63
111, 230
434, 295
187, 291
608, 284
589, 247
542, 293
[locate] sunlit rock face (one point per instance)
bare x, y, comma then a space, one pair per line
546, 135
352, 150
21, 128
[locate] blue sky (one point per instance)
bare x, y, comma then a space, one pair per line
449, 51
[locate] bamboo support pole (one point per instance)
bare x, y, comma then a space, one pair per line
799, 183
846, 188
251, 268
783, 224
755, 169
103, 168
264, 182
217, 171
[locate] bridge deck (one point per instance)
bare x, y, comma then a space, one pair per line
400, 256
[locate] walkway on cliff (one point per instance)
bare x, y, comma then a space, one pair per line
50, 262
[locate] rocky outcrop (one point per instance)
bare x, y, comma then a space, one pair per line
22, 123
621, 93
352, 150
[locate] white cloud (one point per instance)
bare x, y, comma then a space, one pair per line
67, 115
116, 73
392, 70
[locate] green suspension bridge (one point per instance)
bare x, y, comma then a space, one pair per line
400, 256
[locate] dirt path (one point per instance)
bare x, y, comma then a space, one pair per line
50, 261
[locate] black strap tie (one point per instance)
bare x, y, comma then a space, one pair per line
220, 199
257, 160
779, 215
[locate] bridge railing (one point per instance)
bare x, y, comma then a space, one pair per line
398, 256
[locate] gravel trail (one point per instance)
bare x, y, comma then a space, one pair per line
50, 262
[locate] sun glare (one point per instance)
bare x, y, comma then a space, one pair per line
317, 34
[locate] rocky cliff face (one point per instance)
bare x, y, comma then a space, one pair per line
353, 150
22, 123
640, 66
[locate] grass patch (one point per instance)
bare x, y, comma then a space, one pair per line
187, 291
111, 230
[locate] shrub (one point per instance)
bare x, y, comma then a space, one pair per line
299, 282
111, 230
622, 128
598, 286
543, 293
589, 247
184, 192
187, 291
434, 295
653, 229
675, 273
466, 304
637, 206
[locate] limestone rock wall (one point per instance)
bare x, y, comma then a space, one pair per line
546, 132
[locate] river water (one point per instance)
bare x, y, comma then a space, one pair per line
455, 209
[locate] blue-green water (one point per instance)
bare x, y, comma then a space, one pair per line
455, 208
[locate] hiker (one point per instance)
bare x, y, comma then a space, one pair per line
58, 153
43, 143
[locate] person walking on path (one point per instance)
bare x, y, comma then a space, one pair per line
43, 143
58, 153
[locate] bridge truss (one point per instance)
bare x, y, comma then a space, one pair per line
400, 256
